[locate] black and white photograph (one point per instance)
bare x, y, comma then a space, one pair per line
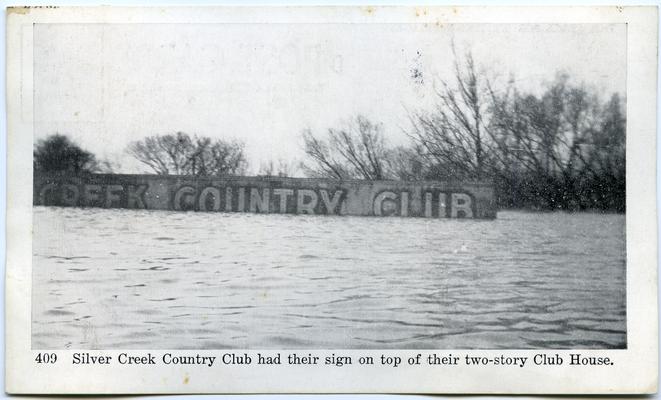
385, 184
144, 130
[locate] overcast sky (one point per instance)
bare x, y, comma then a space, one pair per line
107, 85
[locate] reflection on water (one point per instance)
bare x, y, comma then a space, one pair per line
121, 279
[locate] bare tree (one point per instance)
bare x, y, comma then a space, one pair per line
606, 154
164, 154
607, 145
452, 135
561, 149
357, 150
405, 163
217, 157
181, 154
551, 150
322, 162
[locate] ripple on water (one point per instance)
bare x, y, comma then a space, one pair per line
59, 313
525, 280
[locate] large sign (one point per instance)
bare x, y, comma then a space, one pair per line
267, 195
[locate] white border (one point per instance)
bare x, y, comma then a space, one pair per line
636, 368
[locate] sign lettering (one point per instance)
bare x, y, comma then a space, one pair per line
267, 195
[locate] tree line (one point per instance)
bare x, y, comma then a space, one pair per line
168, 154
563, 148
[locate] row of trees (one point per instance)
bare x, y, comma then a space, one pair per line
561, 149
170, 154
182, 154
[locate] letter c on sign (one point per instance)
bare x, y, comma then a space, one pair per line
42, 193
183, 193
380, 198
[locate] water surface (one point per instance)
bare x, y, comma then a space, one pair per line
126, 279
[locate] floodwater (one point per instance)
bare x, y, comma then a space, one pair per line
126, 279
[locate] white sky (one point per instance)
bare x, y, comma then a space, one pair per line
107, 85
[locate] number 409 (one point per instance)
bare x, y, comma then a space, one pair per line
48, 358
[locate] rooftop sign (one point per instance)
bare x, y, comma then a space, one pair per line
267, 195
